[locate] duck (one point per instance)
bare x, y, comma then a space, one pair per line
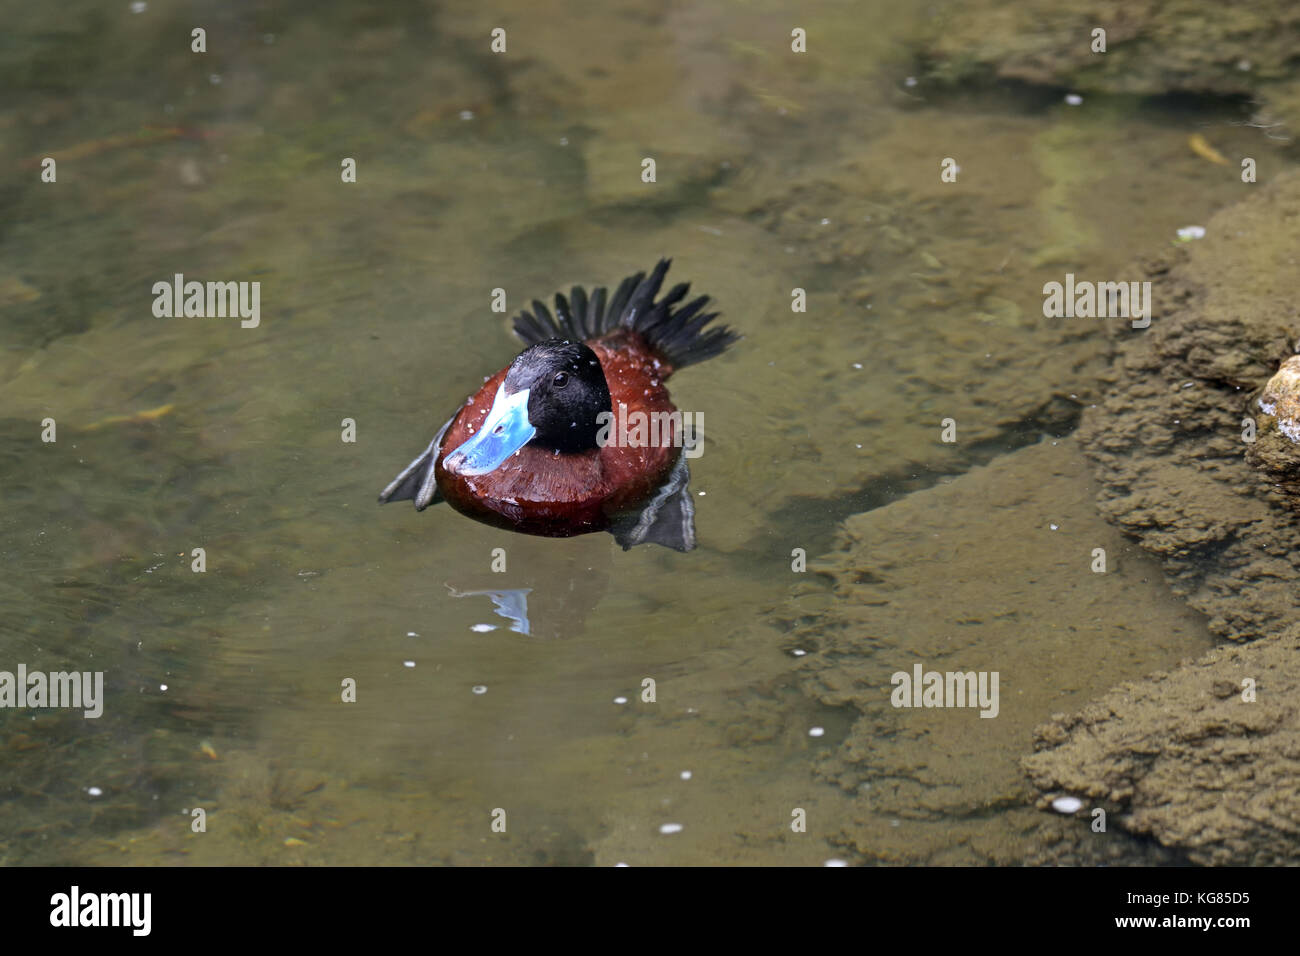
540, 449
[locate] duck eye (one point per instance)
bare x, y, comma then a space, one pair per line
561, 379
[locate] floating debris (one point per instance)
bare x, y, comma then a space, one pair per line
1067, 805
14, 291
1203, 149
143, 137
150, 415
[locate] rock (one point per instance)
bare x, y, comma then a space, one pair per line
1176, 758
1276, 449
1281, 399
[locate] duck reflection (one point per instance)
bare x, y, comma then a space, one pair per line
512, 605
554, 588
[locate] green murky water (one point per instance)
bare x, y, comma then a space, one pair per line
520, 171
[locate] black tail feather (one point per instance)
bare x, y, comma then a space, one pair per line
596, 314
678, 336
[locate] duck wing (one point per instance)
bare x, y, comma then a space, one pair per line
668, 518
418, 480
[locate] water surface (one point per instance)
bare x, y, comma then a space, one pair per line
519, 171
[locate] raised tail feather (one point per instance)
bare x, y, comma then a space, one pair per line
676, 334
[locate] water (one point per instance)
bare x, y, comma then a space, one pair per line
518, 171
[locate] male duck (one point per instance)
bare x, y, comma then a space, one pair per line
534, 451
